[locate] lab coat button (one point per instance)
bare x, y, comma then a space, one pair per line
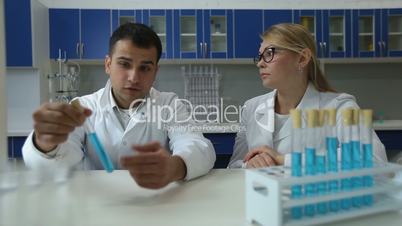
124, 143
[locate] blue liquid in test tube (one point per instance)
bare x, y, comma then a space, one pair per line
100, 151
297, 147
310, 188
368, 180
356, 164
332, 146
321, 186
346, 166
296, 189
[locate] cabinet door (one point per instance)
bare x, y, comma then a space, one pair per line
312, 20
248, 28
337, 33
64, 31
218, 34
272, 17
392, 32
18, 33
95, 33
161, 21
366, 33
188, 34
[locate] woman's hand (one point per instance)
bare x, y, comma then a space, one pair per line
263, 157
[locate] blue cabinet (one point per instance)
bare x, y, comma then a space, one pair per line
331, 30
377, 33
95, 33
161, 21
203, 33
64, 31
223, 144
336, 33
15, 146
18, 33
248, 28
272, 17
123, 16
82, 34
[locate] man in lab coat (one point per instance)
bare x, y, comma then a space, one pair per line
129, 116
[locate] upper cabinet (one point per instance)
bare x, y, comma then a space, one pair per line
18, 33
226, 34
248, 28
377, 33
161, 21
203, 33
81, 34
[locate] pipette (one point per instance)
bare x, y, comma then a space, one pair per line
93, 138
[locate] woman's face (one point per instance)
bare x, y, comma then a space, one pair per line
282, 66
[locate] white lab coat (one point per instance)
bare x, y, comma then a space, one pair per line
258, 119
196, 151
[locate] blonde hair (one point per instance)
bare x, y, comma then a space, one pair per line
296, 38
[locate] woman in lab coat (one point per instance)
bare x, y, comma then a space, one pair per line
288, 64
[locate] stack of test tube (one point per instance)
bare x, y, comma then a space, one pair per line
321, 157
332, 175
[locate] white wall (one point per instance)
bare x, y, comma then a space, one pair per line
230, 4
3, 111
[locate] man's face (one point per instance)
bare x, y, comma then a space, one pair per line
132, 71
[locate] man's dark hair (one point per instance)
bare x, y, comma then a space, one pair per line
139, 34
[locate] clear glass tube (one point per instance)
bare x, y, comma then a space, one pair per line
296, 159
356, 156
321, 163
310, 158
346, 158
367, 143
332, 154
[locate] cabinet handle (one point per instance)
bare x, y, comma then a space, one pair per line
205, 49
77, 50
383, 48
201, 49
320, 49
325, 49
380, 45
82, 50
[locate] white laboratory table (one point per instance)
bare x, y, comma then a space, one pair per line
98, 198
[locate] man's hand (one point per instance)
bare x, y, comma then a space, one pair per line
154, 167
263, 157
54, 121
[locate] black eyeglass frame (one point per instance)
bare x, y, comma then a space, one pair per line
258, 58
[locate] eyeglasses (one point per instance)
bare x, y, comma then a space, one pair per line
267, 55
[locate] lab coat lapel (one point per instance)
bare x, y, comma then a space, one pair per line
265, 119
310, 100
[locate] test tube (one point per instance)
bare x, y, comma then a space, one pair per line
97, 145
297, 147
356, 156
332, 154
346, 158
367, 141
310, 155
322, 207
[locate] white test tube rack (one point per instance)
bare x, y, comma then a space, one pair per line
268, 195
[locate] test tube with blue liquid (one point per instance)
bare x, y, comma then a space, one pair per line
310, 159
356, 156
321, 163
346, 154
97, 145
332, 154
367, 143
297, 147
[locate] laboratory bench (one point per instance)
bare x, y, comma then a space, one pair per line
223, 136
100, 198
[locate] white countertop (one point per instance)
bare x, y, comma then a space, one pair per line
98, 198
388, 125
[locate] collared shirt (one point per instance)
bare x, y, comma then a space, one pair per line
117, 138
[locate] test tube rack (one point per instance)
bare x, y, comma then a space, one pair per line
269, 202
